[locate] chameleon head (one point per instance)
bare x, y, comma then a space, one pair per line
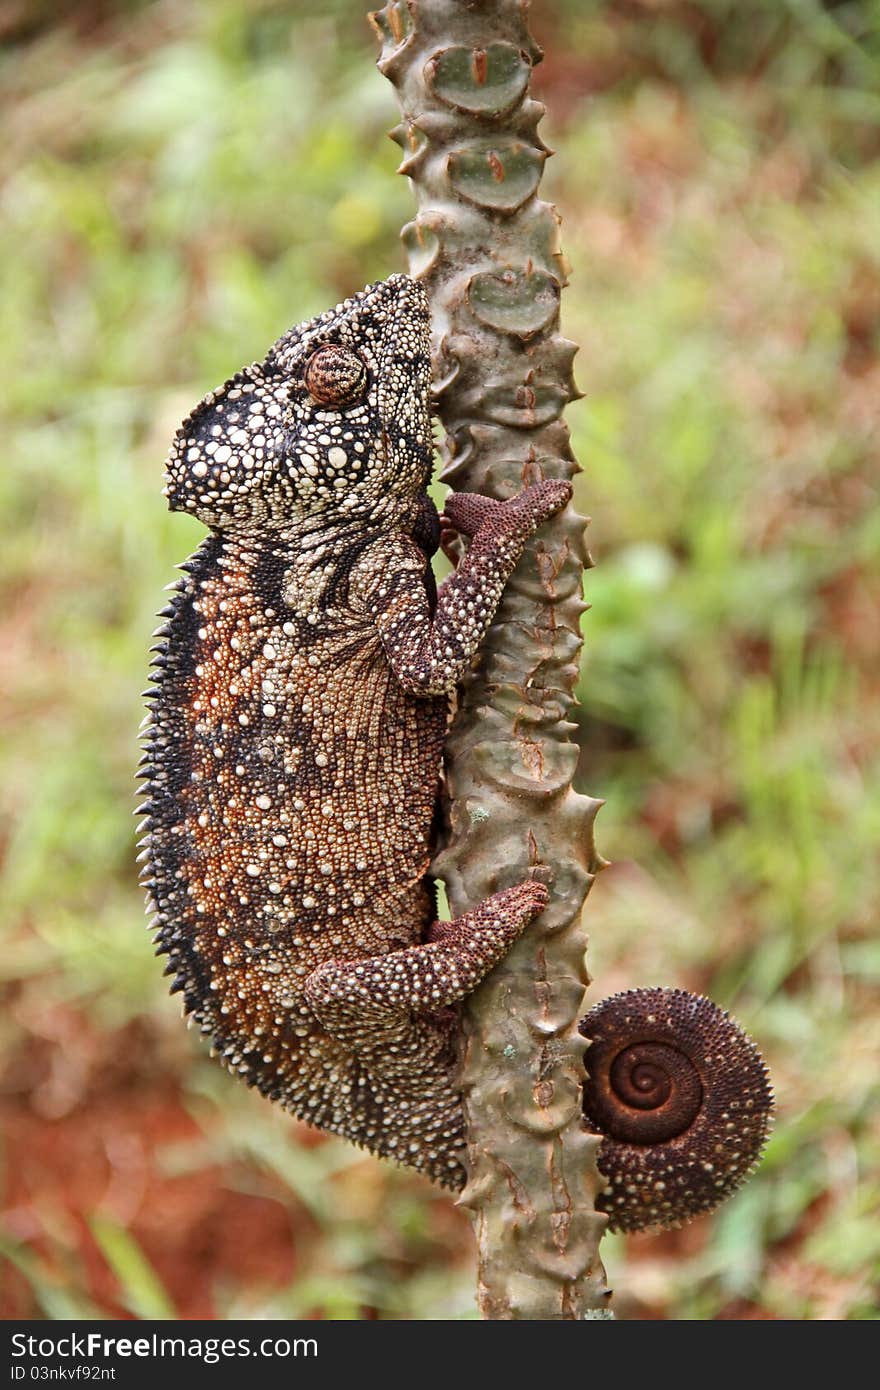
335, 421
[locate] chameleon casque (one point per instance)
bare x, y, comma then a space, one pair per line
292, 757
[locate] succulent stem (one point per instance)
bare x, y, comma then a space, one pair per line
488, 251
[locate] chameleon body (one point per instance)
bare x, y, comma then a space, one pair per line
297, 726
294, 741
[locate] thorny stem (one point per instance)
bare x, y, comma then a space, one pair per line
488, 251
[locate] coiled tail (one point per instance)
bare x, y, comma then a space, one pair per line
682, 1100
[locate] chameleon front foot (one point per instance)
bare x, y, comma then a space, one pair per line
469, 512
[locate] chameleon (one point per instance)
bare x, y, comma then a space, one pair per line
299, 705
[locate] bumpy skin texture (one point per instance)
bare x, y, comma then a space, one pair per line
682, 1099
296, 727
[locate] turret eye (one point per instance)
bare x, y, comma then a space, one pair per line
335, 376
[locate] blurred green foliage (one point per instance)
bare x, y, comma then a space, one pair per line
182, 181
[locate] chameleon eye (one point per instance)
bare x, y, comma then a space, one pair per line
335, 376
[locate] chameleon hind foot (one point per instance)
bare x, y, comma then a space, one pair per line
357, 996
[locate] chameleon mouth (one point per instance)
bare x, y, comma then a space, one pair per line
173, 489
